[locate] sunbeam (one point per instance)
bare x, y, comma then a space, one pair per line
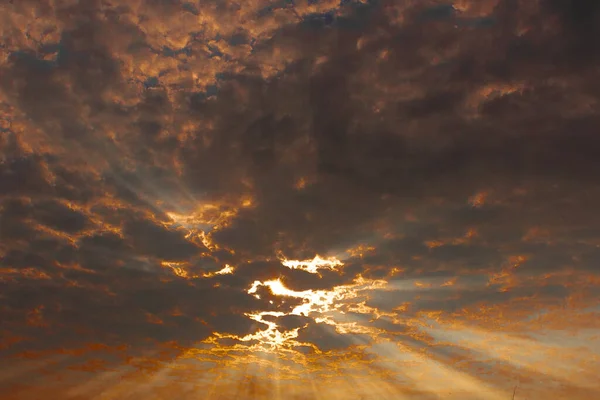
299, 200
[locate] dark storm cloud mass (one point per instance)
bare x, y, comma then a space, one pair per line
460, 143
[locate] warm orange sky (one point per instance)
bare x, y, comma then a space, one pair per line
298, 200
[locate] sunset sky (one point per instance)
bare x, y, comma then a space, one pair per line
299, 199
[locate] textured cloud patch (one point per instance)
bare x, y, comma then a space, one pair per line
299, 199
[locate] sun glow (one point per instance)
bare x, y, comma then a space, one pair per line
272, 337
313, 266
324, 306
226, 270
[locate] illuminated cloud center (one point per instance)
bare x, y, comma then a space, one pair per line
208, 218
322, 304
181, 269
313, 266
227, 269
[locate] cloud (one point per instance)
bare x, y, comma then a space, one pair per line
363, 171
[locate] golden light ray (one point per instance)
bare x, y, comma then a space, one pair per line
432, 376
98, 92
317, 303
128, 380
19, 368
95, 387
528, 354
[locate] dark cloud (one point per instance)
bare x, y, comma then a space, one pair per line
154, 240
59, 216
144, 147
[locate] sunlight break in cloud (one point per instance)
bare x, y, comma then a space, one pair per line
159, 158
313, 266
323, 306
227, 269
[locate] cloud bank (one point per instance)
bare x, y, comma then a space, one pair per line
299, 199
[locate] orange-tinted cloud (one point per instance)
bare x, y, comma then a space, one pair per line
299, 199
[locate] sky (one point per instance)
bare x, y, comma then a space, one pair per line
299, 199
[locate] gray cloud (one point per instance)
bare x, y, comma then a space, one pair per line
345, 127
